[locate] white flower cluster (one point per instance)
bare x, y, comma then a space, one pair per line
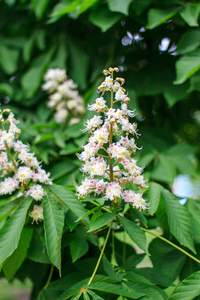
108, 161
19, 168
64, 98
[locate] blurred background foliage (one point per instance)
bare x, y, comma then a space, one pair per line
155, 44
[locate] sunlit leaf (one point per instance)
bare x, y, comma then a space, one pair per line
53, 225
13, 263
179, 220
187, 289
11, 231
134, 232
186, 66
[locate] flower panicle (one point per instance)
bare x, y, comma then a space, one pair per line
108, 163
20, 169
64, 98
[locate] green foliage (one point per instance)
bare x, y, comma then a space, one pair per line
178, 219
188, 288
11, 231
156, 45
53, 226
134, 232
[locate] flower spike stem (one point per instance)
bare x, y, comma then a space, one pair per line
101, 254
49, 278
172, 244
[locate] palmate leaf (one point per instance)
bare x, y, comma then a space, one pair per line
101, 221
78, 248
153, 195
94, 295
121, 290
11, 231
135, 233
190, 14
186, 66
157, 17
69, 199
188, 288
178, 219
13, 263
119, 6
53, 226
103, 18
151, 291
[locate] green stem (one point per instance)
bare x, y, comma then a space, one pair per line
104, 149
172, 244
106, 156
49, 278
110, 141
113, 249
101, 254
104, 208
10, 156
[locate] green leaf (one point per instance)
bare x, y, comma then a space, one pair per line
69, 149
8, 212
194, 82
8, 59
190, 14
64, 8
28, 49
121, 290
31, 80
78, 248
180, 149
79, 63
165, 170
186, 66
178, 219
40, 7
154, 275
137, 214
91, 211
73, 289
53, 226
69, 199
188, 288
167, 262
11, 231
94, 295
62, 168
61, 57
135, 233
119, 6
153, 196
13, 263
75, 130
184, 165
6, 89
37, 250
157, 17
44, 137
103, 18
77, 7
152, 292
101, 221
176, 93
70, 220
188, 42
194, 209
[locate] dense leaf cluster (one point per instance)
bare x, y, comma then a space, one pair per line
156, 45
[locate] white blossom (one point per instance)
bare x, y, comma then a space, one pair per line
108, 156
